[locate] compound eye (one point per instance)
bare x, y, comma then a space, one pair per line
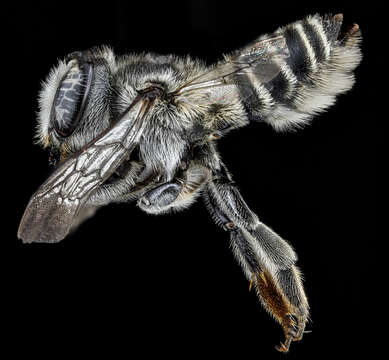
71, 96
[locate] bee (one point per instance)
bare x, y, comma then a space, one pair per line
145, 128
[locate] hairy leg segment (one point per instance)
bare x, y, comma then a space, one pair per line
176, 194
267, 260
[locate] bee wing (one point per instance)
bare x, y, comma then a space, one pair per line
53, 208
259, 59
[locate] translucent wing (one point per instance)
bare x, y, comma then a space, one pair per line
259, 59
53, 208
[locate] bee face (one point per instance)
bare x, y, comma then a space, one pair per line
74, 102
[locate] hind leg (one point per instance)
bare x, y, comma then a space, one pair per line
267, 260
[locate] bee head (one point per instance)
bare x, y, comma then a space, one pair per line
74, 104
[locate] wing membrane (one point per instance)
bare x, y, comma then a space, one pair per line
52, 209
259, 59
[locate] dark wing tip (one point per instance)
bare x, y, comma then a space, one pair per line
47, 221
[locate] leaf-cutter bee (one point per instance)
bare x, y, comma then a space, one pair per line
145, 128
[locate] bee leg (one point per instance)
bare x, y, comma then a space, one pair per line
160, 197
267, 260
177, 194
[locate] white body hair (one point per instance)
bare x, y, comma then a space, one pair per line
144, 127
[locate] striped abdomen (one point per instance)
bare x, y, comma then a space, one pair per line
318, 68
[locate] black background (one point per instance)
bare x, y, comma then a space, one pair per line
169, 285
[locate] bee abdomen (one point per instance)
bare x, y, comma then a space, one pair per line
319, 67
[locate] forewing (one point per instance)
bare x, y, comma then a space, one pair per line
259, 59
53, 208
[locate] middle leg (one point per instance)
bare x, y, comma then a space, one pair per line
176, 194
